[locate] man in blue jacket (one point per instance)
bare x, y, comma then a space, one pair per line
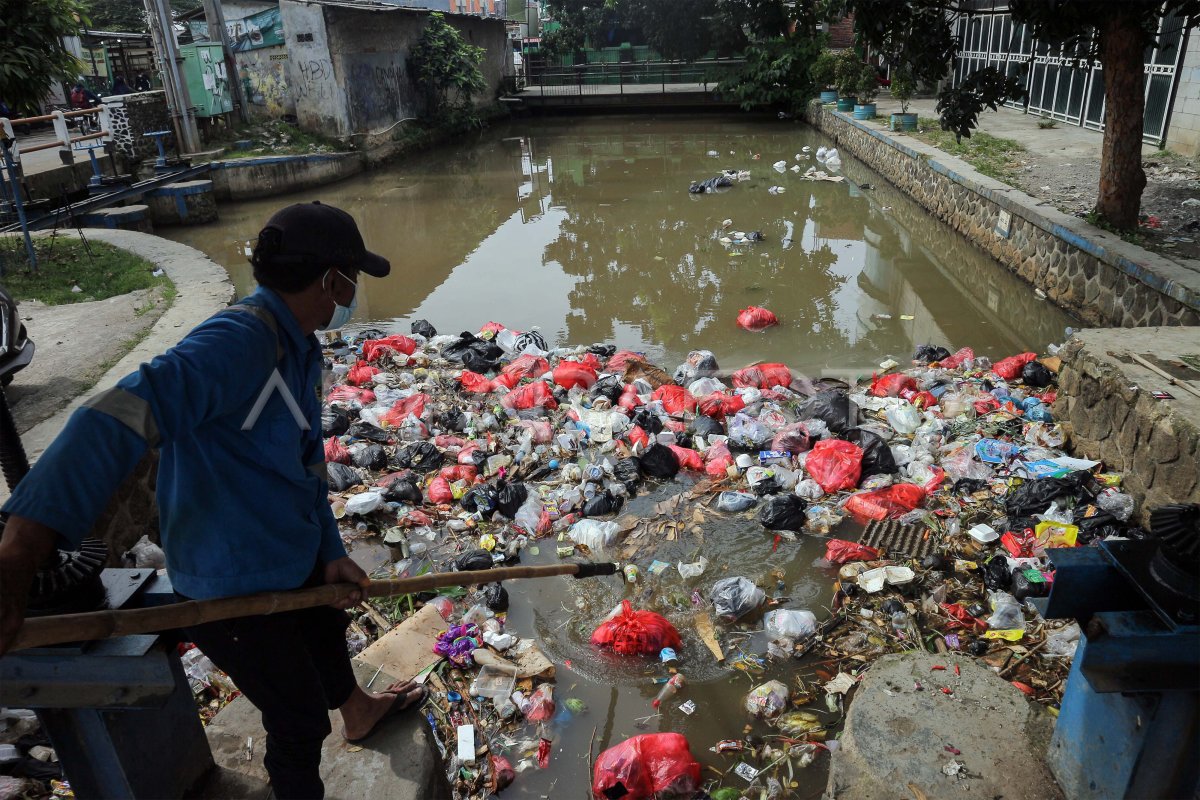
235, 410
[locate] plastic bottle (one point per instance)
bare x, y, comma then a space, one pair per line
669, 689
631, 573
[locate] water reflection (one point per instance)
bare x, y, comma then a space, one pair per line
584, 228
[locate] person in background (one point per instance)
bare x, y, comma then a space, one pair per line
83, 97
119, 86
235, 412
142, 82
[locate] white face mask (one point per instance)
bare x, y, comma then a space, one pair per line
341, 314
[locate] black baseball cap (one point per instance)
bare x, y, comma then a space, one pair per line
320, 235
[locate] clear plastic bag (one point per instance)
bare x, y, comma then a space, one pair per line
735, 501
1006, 612
735, 597
594, 534
790, 623
694, 570
904, 419
767, 700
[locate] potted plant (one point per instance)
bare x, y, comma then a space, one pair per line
846, 78
824, 75
903, 87
868, 88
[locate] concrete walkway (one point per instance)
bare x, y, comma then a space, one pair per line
202, 287
901, 722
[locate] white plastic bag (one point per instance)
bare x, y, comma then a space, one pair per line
703, 387
904, 419
364, 503
694, 570
790, 623
594, 534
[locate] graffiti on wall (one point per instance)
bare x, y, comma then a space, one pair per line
265, 83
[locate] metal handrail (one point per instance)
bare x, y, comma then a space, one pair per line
597, 76
63, 139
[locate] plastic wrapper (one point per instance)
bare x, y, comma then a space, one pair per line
364, 503
693, 570
361, 374
702, 387
959, 359
891, 502
594, 534
540, 705
1006, 612
652, 765
835, 464
754, 318
735, 597
839, 551
1118, 504
833, 407
531, 517
525, 366
706, 426
1063, 642
809, 489
892, 385
767, 700
783, 512
1034, 497
629, 632
609, 386
790, 623
762, 376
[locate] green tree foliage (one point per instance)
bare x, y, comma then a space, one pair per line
115, 15
32, 57
447, 70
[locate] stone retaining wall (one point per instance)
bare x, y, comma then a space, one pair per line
1093, 275
1105, 397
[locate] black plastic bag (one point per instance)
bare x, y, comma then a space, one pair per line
833, 407
996, 575
1034, 497
650, 423
969, 485
453, 420
604, 351
480, 498
342, 477
877, 456
1022, 587
1037, 375
706, 426
421, 456
603, 503
627, 472
930, 352
1096, 523
495, 597
659, 462
473, 561
783, 512
511, 497
334, 421
475, 362
361, 430
609, 386
477, 458
422, 328
475, 354
373, 456
403, 490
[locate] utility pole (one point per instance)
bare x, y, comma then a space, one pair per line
217, 32
163, 25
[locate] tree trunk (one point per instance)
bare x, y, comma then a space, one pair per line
1122, 178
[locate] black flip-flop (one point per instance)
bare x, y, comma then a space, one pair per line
401, 703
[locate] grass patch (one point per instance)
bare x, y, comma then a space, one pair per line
989, 155
98, 269
277, 138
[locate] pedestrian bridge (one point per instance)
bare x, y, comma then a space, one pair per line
641, 84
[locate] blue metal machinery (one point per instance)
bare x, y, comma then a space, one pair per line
1128, 723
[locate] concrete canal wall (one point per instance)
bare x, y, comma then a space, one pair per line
1092, 274
246, 178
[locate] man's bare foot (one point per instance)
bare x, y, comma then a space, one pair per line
363, 712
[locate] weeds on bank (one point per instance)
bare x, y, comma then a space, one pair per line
99, 270
989, 155
277, 138
1133, 237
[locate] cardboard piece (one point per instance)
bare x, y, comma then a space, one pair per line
407, 650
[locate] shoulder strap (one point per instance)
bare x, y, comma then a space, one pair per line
265, 316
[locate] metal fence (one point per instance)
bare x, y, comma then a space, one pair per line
1061, 86
631, 77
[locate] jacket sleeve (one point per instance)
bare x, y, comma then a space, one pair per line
102, 442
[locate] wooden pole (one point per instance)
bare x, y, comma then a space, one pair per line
43, 631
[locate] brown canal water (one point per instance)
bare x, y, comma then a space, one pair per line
584, 228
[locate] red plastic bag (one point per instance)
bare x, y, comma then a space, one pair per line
892, 385
540, 430
465, 455
531, 395
719, 405
639, 436
717, 460
526, 366
400, 411
688, 458
647, 766
335, 451
632, 633
960, 618
347, 394
792, 438
461, 472
1010, 368
675, 399
374, 348
839, 551
491, 327
922, 400
835, 464
592, 362
958, 359
933, 483
763, 376
891, 502
439, 491
621, 359
756, 319
629, 399
361, 373
569, 374
475, 383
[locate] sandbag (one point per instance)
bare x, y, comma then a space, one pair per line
763, 376
754, 318
833, 407
629, 632
783, 512
835, 464
890, 502
648, 766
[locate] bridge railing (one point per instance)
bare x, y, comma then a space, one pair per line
633, 77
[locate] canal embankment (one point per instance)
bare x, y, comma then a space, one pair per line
1093, 274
